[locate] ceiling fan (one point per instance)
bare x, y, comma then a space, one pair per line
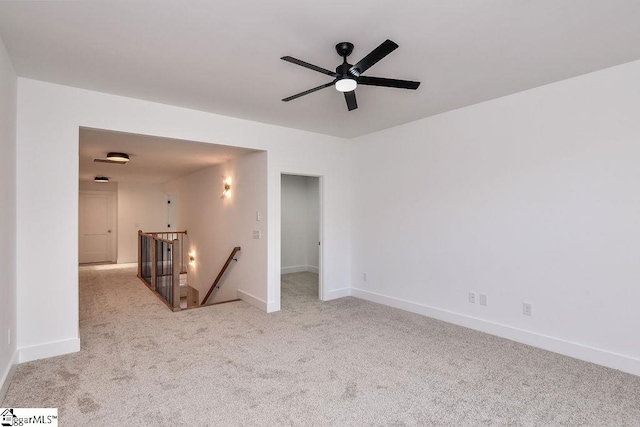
348, 77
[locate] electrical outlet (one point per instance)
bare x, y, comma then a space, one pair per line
257, 234
483, 299
364, 277
526, 309
472, 297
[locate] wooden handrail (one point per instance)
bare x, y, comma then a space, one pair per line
224, 268
165, 232
158, 239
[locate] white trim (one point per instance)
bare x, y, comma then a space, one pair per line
322, 289
273, 306
338, 293
253, 300
296, 269
8, 376
299, 269
568, 348
42, 351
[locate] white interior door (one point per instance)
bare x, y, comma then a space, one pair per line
97, 218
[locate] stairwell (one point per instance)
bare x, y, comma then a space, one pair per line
189, 297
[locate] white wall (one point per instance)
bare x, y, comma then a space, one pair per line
8, 106
313, 223
294, 224
216, 225
529, 198
98, 186
300, 223
141, 206
49, 118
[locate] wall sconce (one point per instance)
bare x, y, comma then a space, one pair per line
192, 258
226, 182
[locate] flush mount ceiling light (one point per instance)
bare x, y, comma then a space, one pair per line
101, 179
118, 157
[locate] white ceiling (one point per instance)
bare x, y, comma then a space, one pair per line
152, 159
224, 56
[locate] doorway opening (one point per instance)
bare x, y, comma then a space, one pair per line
301, 238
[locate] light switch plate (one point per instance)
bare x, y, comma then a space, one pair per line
483, 299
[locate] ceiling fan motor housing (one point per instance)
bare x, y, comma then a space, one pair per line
343, 69
344, 49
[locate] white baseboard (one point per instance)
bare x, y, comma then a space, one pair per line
107, 266
8, 376
295, 269
273, 306
253, 300
299, 269
58, 348
337, 293
572, 349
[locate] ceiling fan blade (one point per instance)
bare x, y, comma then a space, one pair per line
372, 58
306, 92
379, 81
309, 66
350, 97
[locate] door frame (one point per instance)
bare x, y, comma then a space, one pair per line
321, 287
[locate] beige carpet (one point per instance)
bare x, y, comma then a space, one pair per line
345, 362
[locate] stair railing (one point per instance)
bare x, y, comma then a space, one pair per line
181, 236
221, 273
160, 263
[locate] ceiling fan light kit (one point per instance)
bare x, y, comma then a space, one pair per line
346, 85
348, 77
